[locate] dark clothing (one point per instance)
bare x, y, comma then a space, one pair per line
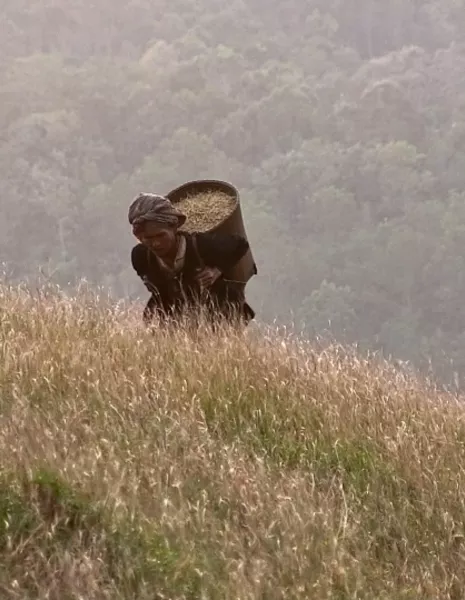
172, 294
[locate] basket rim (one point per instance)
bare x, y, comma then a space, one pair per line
222, 183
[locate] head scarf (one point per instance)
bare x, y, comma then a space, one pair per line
156, 209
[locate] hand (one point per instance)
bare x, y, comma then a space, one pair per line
207, 276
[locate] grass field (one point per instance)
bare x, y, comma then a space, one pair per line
226, 466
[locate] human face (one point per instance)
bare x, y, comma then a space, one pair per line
160, 239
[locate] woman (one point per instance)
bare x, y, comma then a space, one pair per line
183, 271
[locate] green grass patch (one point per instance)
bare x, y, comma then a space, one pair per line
43, 514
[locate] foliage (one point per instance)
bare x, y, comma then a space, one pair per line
341, 122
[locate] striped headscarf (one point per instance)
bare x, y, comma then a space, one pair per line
156, 209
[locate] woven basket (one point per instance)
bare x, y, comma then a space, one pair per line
231, 224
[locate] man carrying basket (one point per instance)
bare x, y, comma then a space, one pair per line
185, 271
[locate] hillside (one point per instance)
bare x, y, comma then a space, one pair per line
341, 123
181, 466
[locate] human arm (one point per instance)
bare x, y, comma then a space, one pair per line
140, 263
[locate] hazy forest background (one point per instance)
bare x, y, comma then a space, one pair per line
342, 122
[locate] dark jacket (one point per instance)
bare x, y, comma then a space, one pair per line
171, 296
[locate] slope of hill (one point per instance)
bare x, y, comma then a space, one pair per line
177, 465
341, 122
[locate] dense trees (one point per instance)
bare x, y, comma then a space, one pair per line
341, 122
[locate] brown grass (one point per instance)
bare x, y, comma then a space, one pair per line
206, 210
170, 465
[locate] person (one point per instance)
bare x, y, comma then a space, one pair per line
185, 272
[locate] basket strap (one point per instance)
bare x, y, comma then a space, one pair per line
196, 250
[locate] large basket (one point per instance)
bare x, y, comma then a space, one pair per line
232, 224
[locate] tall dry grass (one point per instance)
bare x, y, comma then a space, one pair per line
229, 466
